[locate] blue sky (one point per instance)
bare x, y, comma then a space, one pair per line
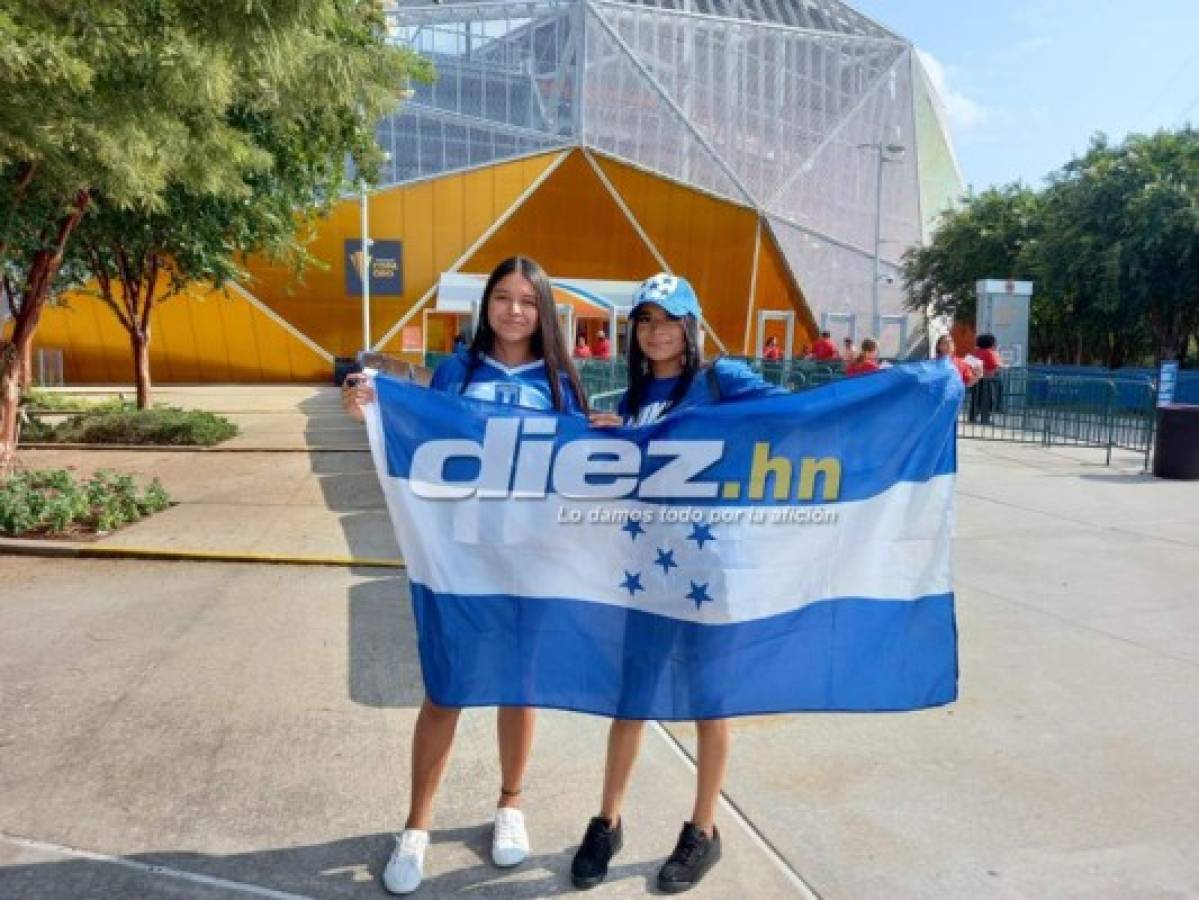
1027, 82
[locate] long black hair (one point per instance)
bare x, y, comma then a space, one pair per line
547, 339
640, 373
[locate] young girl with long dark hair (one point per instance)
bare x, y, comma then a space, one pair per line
517, 358
666, 374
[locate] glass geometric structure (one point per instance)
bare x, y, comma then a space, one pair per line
784, 107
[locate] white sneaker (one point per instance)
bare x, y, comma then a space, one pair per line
510, 841
405, 869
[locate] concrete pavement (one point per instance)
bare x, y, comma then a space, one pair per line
1066, 769
301, 485
249, 724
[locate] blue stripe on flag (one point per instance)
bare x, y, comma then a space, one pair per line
891, 426
841, 655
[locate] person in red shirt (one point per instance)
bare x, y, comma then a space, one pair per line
772, 352
603, 349
866, 361
985, 350
824, 350
582, 351
965, 370
988, 393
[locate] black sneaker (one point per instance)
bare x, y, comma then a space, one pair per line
693, 855
600, 844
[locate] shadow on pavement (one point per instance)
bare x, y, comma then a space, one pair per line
344, 868
384, 667
1118, 477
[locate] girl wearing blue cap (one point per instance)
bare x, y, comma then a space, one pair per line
666, 374
517, 358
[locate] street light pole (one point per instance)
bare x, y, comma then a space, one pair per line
875, 313
876, 318
365, 225
364, 202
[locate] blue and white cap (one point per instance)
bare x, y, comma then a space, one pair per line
671, 292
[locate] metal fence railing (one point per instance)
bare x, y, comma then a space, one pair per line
794, 374
601, 376
1031, 406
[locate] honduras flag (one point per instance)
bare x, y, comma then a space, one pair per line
771, 555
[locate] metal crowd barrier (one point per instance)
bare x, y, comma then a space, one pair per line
1029, 406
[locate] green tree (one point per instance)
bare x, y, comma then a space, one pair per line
119, 101
1112, 243
1155, 255
1121, 244
985, 237
140, 258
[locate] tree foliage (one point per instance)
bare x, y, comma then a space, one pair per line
1112, 242
146, 112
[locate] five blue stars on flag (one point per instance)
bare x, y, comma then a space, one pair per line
701, 534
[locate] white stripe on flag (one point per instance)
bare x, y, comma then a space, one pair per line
893, 546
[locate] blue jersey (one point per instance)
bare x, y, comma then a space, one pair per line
735, 380
526, 385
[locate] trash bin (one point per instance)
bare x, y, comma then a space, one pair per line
1176, 449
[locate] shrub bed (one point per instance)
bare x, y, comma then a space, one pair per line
51, 502
162, 425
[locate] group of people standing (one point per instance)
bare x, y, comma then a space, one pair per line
517, 357
856, 360
980, 373
602, 351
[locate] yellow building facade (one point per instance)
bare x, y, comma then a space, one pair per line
579, 213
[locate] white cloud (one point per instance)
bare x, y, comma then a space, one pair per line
964, 112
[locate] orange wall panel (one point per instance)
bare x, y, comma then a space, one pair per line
437, 220
573, 227
708, 240
210, 337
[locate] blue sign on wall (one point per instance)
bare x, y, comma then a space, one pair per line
1167, 381
387, 267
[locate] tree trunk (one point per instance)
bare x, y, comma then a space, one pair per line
1169, 330
140, 340
10, 395
1119, 352
37, 288
26, 372
10, 388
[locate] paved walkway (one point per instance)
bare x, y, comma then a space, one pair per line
246, 726
276, 496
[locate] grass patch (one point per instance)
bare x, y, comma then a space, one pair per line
162, 426
52, 502
36, 400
